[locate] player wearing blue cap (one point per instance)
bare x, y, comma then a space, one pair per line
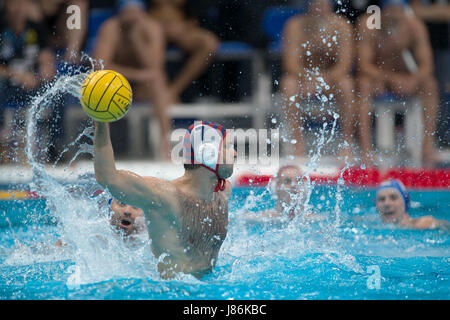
393, 204
187, 218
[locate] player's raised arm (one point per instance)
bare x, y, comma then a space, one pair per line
126, 186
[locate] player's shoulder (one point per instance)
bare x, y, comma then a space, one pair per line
426, 218
164, 188
162, 184
425, 222
167, 193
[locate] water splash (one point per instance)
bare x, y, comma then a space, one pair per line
98, 253
82, 147
329, 242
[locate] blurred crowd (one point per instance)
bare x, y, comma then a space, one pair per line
328, 48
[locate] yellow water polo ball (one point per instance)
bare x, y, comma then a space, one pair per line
106, 95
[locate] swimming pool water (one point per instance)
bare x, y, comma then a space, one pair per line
337, 258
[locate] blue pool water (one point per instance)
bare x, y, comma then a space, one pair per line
336, 258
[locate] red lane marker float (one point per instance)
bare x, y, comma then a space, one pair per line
371, 177
33, 195
253, 180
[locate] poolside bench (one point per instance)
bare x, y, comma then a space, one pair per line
385, 108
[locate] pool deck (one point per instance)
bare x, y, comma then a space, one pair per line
13, 174
326, 172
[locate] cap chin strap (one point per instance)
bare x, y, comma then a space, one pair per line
209, 155
221, 183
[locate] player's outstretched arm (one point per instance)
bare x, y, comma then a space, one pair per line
430, 222
126, 186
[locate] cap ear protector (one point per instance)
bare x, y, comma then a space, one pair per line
203, 145
205, 142
207, 154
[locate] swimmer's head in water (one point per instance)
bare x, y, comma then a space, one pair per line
288, 188
205, 145
288, 179
123, 217
126, 218
392, 199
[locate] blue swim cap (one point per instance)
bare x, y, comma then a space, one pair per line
397, 185
122, 4
104, 194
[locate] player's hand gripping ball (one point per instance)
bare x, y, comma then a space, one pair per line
106, 95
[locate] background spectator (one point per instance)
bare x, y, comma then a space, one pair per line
436, 15
182, 30
132, 44
67, 43
26, 63
317, 53
384, 67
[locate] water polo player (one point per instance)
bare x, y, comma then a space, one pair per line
393, 203
187, 218
128, 219
290, 196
